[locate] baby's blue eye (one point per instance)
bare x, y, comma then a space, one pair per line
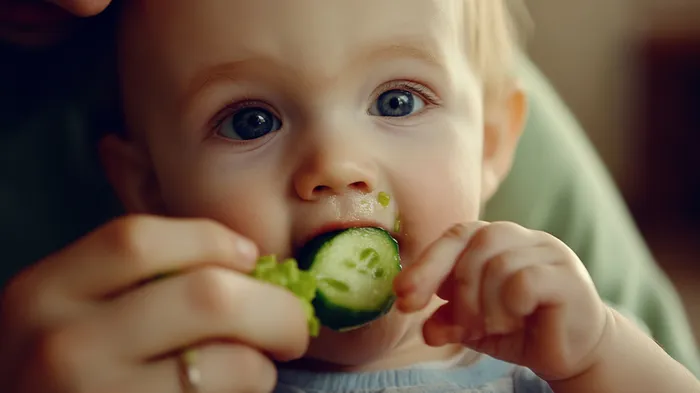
397, 103
249, 123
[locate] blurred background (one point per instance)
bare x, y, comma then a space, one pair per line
630, 72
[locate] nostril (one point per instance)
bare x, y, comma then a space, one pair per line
360, 186
321, 189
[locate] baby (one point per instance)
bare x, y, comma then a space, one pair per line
283, 119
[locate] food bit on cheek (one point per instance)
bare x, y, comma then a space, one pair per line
383, 198
397, 223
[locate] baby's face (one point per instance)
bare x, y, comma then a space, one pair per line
285, 118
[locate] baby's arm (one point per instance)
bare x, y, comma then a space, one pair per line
630, 362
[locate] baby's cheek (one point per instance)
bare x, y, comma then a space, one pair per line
258, 213
433, 203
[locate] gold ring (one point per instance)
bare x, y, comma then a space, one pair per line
190, 376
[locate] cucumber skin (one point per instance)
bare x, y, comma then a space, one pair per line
343, 319
330, 315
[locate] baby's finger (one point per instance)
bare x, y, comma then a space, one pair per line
203, 305
497, 319
485, 244
220, 368
440, 328
416, 284
539, 285
131, 250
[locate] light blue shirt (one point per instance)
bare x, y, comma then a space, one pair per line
486, 376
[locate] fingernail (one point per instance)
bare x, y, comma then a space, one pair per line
247, 249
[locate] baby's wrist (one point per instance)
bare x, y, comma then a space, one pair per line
600, 353
601, 357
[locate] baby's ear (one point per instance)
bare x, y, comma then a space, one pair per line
504, 120
129, 171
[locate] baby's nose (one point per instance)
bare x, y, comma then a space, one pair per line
326, 176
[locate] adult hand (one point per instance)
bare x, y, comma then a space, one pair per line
91, 318
40, 23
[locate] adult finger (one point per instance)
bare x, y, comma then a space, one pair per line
220, 367
133, 249
203, 305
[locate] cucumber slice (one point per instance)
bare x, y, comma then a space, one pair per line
354, 270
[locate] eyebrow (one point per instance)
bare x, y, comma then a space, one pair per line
411, 49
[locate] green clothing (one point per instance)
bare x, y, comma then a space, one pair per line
559, 185
53, 191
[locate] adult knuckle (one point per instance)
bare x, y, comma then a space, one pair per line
209, 293
130, 237
29, 302
60, 358
20, 299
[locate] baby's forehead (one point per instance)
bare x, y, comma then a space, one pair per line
187, 55
303, 31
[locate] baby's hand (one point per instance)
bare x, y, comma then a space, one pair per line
518, 295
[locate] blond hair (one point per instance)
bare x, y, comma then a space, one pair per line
496, 30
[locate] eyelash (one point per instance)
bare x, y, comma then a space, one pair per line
246, 102
230, 109
414, 87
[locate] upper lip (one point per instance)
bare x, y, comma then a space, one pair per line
338, 226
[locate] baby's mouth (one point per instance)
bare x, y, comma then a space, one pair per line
354, 264
337, 226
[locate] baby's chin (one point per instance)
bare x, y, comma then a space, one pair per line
371, 347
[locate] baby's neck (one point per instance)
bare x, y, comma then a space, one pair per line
416, 353
405, 355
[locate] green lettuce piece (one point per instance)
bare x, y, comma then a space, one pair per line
288, 275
